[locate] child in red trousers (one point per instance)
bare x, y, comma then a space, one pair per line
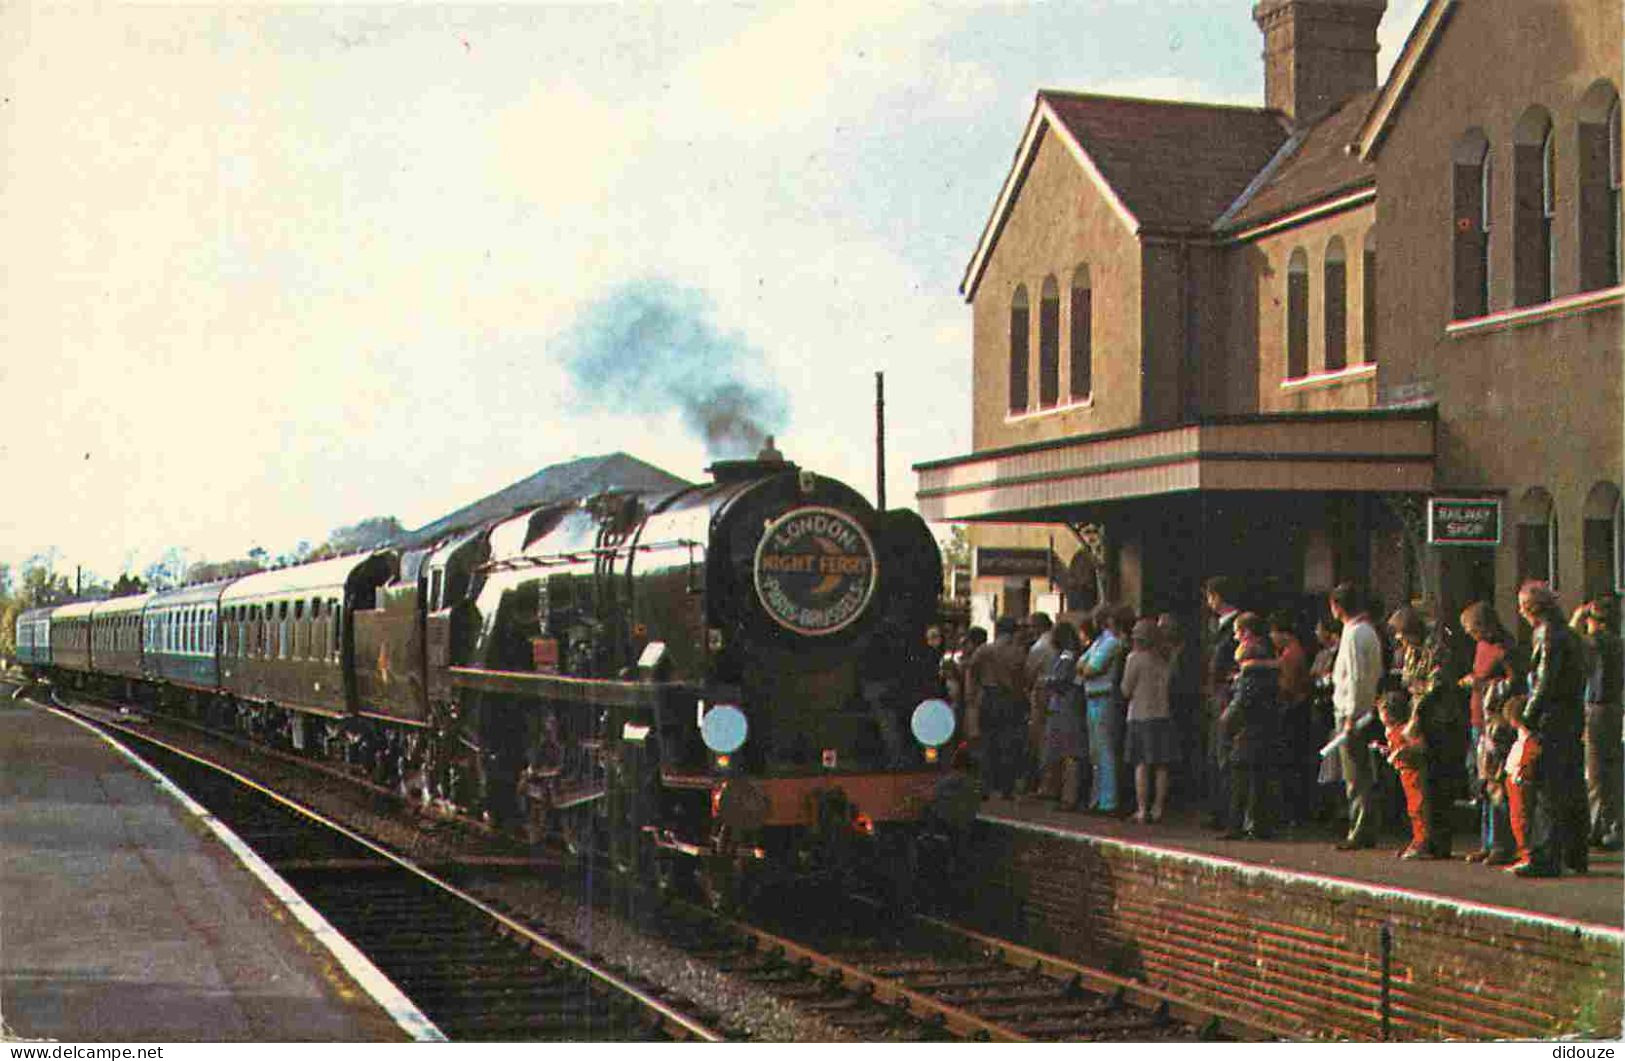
1520, 780
1406, 754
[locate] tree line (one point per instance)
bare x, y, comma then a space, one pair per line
39, 584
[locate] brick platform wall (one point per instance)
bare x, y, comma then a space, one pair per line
1298, 953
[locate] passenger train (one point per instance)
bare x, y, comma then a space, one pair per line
721, 683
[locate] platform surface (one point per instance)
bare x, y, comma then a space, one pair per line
1596, 898
122, 918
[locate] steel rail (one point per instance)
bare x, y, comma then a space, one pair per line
669, 1017
1132, 991
881, 988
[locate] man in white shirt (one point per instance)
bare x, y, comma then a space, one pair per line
1355, 675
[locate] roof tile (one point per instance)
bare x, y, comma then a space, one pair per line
1174, 165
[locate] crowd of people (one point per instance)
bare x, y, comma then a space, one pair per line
1114, 713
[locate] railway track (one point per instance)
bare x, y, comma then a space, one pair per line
874, 980
475, 973
928, 979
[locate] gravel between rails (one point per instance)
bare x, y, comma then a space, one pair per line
745, 1009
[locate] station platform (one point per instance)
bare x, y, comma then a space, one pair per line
1595, 899
125, 917
1309, 941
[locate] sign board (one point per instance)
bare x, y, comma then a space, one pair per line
815, 570
1013, 563
1464, 521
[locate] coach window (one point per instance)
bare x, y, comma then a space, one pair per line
1533, 198
1599, 217
1297, 315
286, 631
337, 610
1019, 353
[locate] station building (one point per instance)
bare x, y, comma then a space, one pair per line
1364, 331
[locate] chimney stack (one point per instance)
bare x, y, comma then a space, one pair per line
1317, 53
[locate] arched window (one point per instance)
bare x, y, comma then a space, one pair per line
1018, 351
1471, 196
1334, 305
1049, 344
1599, 227
1533, 200
1082, 335
1537, 537
1297, 315
1368, 297
1600, 544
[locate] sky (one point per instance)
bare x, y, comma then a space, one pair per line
277, 269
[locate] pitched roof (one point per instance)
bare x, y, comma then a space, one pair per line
1413, 55
582, 477
1163, 165
1175, 165
1314, 166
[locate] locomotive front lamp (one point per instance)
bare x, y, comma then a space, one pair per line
932, 723
724, 729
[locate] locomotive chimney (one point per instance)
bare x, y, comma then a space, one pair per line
768, 461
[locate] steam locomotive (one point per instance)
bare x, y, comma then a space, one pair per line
718, 684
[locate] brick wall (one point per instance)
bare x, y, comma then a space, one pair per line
1298, 953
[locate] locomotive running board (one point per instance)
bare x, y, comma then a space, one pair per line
558, 687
